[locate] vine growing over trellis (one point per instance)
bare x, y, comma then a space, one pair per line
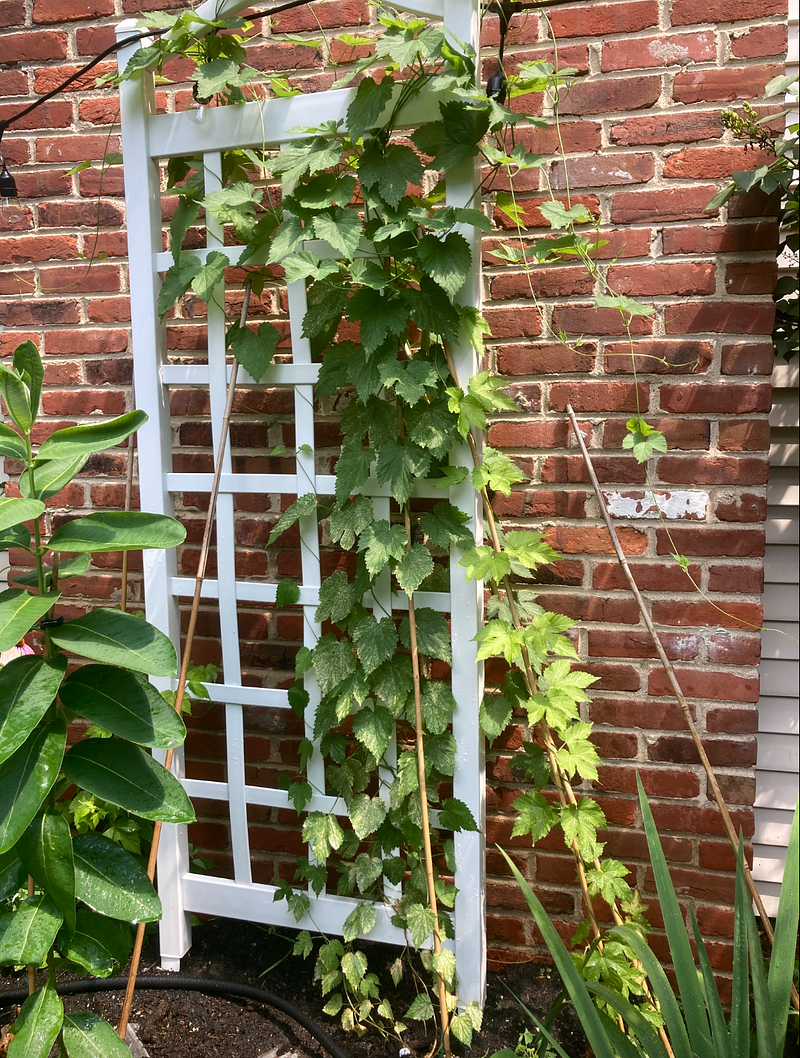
396, 263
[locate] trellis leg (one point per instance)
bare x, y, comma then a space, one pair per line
466, 610
143, 202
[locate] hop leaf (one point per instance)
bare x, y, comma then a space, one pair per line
413, 568
643, 439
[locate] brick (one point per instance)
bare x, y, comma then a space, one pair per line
675, 49
547, 282
648, 576
281, 56
80, 279
754, 204
730, 238
736, 789
631, 207
53, 115
713, 163
657, 782
675, 279
93, 39
85, 341
731, 579
615, 744
38, 248
544, 359
725, 648
746, 507
602, 19
595, 540
35, 313
585, 319
517, 322
606, 170
662, 129
80, 214
688, 470
658, 357
731, 82
598, 396
726, 317
521, 30
760, 42
608, 95
43, 44
731, 720
109, 310
74, 148
745, 436
50, 183
12, 13
756, 277
532, 216
648, 715
686, 435
78, 402
629, 644
544, 435
699, 614
48, 12
680, 749
703, 398
591, 608
687, 13
611, 469
702, 683
576, 136
738, 543
748, 359
46, 78
575, 56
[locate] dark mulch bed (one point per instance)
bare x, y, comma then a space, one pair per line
191, 1025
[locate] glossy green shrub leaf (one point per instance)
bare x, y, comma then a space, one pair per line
26, 779
77, 442
16, 536
46, 850
38, 1024
15, 394
19, 612
72, 567
125, 704
88, 1036
118, 638
28, 365
12, 874
125, 775
13, 511
117, 531
28, 932
11, 444
112, 882
99, 944
49, 476
28, 686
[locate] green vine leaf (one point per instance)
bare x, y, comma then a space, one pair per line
350, 520
375, 641
323, 833
254, 350
579, 823
341, 229
494, 715
401, 465
446, 527
447, 261
413, 568
437, 705
177, 281
366, 814
333, 661
421, 920
578, 755
336, 598
374, 728
369, 103
352, 469
358, 923
455, 815
608, 881
433, 635
389, 171
381, 542
306, 157
537, 816
302, 507
497, 471
643, 439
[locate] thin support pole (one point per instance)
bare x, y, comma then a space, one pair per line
185, 658
674, 685
123, 596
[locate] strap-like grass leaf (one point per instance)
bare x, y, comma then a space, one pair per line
125, 704
13, 511
99, 944
765, 1028
126, 776
118, 639
38, 1024
19, 612
88, 1036
633, 1018
80, 441
112, 882
27, 933
117, 531
46, 850
781, 963
720, 1036
26, 779
28, 686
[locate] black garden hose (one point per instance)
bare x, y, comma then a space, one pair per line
208, 986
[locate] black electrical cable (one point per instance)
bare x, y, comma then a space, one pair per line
177, 983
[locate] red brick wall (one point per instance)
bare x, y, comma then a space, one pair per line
645, 151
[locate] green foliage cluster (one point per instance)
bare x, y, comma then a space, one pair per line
71, 819
781, 174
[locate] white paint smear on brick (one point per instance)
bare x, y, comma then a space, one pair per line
681, 504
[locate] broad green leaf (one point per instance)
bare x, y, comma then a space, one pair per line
432, 310
254, 350
412, 569
17, 398
368, 104
450, 476
88, 1036
560, 218
112, 882
440, 752
453, 140
12, 874
123, 703
352, 469
445, 526
71, 567
447, 261
286, 239
125, 775
437, 704
287, 593
38, 1024
99, 944
210, 275
433, 635
608, 881
499, 639
302, 507
215, 76
341, 229
46, 850
422, 1008
19, 612
77, 442
430, 425
410, 380
28, 932
580, 822
537, 816
420, 921
643, 439
11, 444
494, 715
455, 815
354, 967
626, 305
374, 641
497, 471
306, 156
49, 476
323, 833
374, 728
28, 686
350, 520
117, 531
117, 638
333, 661
390, 170
13, 511
529, 549
392, 681
366, 814
381, 542
306, 265
336, 598
359, 922
182, 219
578, 754
26, 779
368, 870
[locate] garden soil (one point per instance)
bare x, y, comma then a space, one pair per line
191, 1025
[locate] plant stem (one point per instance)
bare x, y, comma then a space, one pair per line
676, 689
123, 595
423, 797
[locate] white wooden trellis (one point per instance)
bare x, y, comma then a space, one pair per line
148, 138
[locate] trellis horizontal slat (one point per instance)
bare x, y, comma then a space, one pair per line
278, 375
287, 484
